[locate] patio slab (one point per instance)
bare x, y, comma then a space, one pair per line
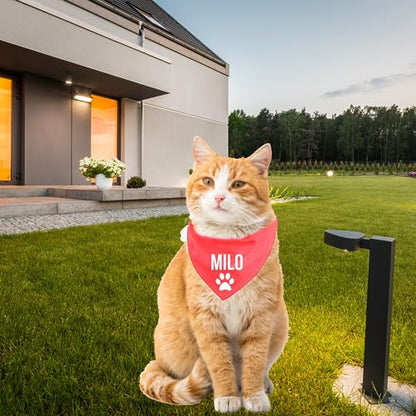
17, 201
402, 401
8, 191
116, 193
44, 205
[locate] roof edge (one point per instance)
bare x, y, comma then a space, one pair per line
160, 32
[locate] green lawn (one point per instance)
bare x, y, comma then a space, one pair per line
78, 306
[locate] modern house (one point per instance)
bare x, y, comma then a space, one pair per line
104, 78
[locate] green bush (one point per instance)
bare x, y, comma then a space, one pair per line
136, 182
302, 167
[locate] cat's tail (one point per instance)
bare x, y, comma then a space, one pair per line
156, 384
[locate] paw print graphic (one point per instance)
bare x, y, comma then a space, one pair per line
224, 281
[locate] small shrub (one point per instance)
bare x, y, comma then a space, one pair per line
389, 169
136, 182
274, 165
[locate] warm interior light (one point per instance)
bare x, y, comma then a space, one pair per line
6, 97
104, 127
83, 98
68, 82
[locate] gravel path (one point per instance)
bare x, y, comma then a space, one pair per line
17, 225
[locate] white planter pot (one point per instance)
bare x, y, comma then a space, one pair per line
103, 183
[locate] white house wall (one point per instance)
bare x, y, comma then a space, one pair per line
85, 16
196, 106
167, 144
196, 89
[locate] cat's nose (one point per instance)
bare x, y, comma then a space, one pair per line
219, 198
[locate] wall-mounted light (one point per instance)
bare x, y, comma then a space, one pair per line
81, 94
68, 80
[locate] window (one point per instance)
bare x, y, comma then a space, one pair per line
5, 129
104, 127
148, 16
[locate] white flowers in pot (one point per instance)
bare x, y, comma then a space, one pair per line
102, 170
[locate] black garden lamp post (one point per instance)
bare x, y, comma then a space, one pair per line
379, 297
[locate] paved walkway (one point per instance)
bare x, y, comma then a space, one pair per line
17, 225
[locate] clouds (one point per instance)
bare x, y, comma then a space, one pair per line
370, 85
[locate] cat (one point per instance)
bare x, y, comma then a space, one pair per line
204, 344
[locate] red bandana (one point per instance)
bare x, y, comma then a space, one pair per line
228, 264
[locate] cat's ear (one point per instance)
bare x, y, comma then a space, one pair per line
201, 150
261, 159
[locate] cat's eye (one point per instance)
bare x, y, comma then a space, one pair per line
237, 184
208, 181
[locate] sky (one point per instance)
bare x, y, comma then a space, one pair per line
322, 55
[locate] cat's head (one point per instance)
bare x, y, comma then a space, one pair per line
228, 191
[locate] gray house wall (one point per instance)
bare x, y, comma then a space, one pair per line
46, 131
56, 132
80, 140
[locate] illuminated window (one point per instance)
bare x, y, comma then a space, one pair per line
104, 127
5, 129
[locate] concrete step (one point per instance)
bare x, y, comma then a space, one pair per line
22, 191
90, 192
18, 201
43, 205
116, 193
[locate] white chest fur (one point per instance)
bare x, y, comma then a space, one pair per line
235, 311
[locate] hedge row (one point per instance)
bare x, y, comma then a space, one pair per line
370, 167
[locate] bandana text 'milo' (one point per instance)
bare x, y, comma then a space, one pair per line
228, 264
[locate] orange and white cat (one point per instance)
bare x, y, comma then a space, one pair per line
204, 344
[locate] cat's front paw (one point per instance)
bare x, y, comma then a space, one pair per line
227, 404
257, 403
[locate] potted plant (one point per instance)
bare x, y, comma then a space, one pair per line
102, 170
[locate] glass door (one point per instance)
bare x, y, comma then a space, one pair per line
104, 128
9, 154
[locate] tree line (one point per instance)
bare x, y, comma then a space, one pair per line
359, 134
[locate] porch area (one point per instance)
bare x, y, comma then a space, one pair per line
19, 201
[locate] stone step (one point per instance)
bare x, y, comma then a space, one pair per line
116, 193
22, 191
43, 205
18, 201
90, 192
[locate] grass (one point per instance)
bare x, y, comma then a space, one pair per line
78, 306
284, 193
